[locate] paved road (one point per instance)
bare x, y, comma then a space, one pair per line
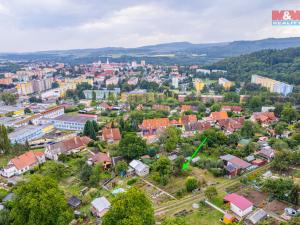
185, 202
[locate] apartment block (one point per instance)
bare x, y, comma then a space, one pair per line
272, 85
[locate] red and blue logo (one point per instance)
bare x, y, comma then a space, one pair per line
286, 17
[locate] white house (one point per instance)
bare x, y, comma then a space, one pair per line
140, 168
23, 163
100, 206
239, 204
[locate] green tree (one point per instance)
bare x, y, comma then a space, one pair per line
27, 111
39, 201
215, 107
170, 138
89, 130
280, 127
289, 114
8, 98
121, 167
5, 146
86, 173
283, 189
130, 208
177, 169
162, 170
248, 129
255, 103
94, 97
54, 170
210, 192
191, 184
232, 97
282, 160
131, 146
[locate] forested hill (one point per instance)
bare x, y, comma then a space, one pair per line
283, 65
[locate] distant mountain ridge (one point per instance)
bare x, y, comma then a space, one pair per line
165, 53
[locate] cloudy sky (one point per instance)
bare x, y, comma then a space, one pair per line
34, 25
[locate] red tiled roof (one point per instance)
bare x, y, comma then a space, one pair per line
155, 123
264, 116
186, 107
111, 133
70, 144
101, 158
52, 109
238, 200
27, 159
189, 119
218, 115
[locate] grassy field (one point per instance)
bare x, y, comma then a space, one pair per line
204, 216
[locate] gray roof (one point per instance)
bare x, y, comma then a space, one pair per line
100, 204
257, 216
74, 118
138, 165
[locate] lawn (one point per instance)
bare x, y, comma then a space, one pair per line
204, 216
4, 159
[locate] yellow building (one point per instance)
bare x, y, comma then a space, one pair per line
70, 84
24, 88
225, 83
48, 128
198, 84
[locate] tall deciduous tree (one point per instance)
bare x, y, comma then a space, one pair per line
4, 140
39, 201
131, 146
89, 130
130, 208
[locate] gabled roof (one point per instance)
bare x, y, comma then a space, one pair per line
264, 116
219, 115
27, 159
100, 157
237, 162
197, 126
189, 119
111, 134
70, 144
238, 200
154, 123
137, 165
100, 204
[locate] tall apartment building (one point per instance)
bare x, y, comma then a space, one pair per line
225, 83
33, 86
175, 82
272, 85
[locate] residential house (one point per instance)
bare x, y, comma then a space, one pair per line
186, 119
161, 107
196, 127
151, 126
267, 153
68, 146
230, 125
111, 134
265, 118
23, 163
232, 108
104, 106
234, 165
102, 158
100, 206
140, 168
239, 204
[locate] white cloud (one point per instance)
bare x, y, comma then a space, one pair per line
64, 24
